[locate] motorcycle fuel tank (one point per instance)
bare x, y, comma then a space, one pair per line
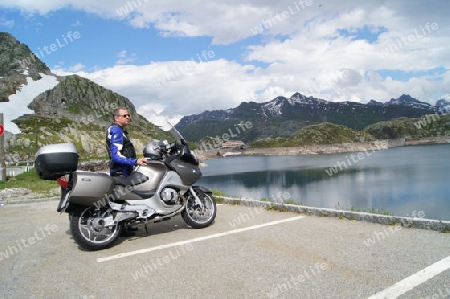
155, 171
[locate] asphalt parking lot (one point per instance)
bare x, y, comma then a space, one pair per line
247, 253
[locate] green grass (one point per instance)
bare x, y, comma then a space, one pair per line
323, 133
29, 180
291, 202
217, 192
370, 210
277, 208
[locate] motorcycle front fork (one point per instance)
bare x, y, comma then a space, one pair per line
197, 199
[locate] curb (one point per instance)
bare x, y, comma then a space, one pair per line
408, 222
25, 201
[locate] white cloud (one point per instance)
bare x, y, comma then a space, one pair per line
124, 58
307, 52
218, 84
77, 67
7, 23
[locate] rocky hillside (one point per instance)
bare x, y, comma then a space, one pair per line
321, 134
282, 116
17, 63
427, 126
75, 110
430, 125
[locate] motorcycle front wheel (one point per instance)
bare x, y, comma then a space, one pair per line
197, 216
91, 231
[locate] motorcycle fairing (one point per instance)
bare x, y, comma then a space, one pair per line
170, 180
188, 172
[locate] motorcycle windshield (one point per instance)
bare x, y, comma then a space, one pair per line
168, 127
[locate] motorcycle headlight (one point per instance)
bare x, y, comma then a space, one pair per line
188, 156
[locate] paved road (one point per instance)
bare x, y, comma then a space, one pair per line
247, 253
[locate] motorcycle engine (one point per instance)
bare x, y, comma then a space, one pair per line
169, 196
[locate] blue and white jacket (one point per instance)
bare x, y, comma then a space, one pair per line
121, 151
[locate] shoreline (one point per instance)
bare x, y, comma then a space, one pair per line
322, 149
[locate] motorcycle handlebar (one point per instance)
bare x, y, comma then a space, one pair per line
165, 147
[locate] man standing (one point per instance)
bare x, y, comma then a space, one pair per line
121, 150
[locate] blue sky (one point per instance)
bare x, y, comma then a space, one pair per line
175, 58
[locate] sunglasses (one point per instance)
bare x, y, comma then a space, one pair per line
125, 115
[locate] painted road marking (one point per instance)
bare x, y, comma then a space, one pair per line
199, 239
414, 280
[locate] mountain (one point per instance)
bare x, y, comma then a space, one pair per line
323, 133
429, 125
443, 106
282, 116
17, 63
58, 109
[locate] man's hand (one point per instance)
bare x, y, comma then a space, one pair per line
141, 161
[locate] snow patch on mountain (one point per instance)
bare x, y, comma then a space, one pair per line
443, 106
410, 101
274, 107
18, 103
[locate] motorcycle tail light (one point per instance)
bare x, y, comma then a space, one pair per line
63, 181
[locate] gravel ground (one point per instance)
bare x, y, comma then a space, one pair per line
24, 195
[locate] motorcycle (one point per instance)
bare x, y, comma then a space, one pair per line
101, 206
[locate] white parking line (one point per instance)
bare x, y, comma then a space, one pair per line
414, 280
199, 239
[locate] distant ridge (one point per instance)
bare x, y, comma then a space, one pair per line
283, 116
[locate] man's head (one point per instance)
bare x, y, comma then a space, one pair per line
121, 116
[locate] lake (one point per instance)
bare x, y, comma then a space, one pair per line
403, 181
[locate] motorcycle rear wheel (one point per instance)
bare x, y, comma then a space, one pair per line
89, 231
194, 215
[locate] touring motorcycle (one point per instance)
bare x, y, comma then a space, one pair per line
100, 206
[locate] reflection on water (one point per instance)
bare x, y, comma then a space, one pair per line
399, 180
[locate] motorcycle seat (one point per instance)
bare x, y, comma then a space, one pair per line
135, 178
